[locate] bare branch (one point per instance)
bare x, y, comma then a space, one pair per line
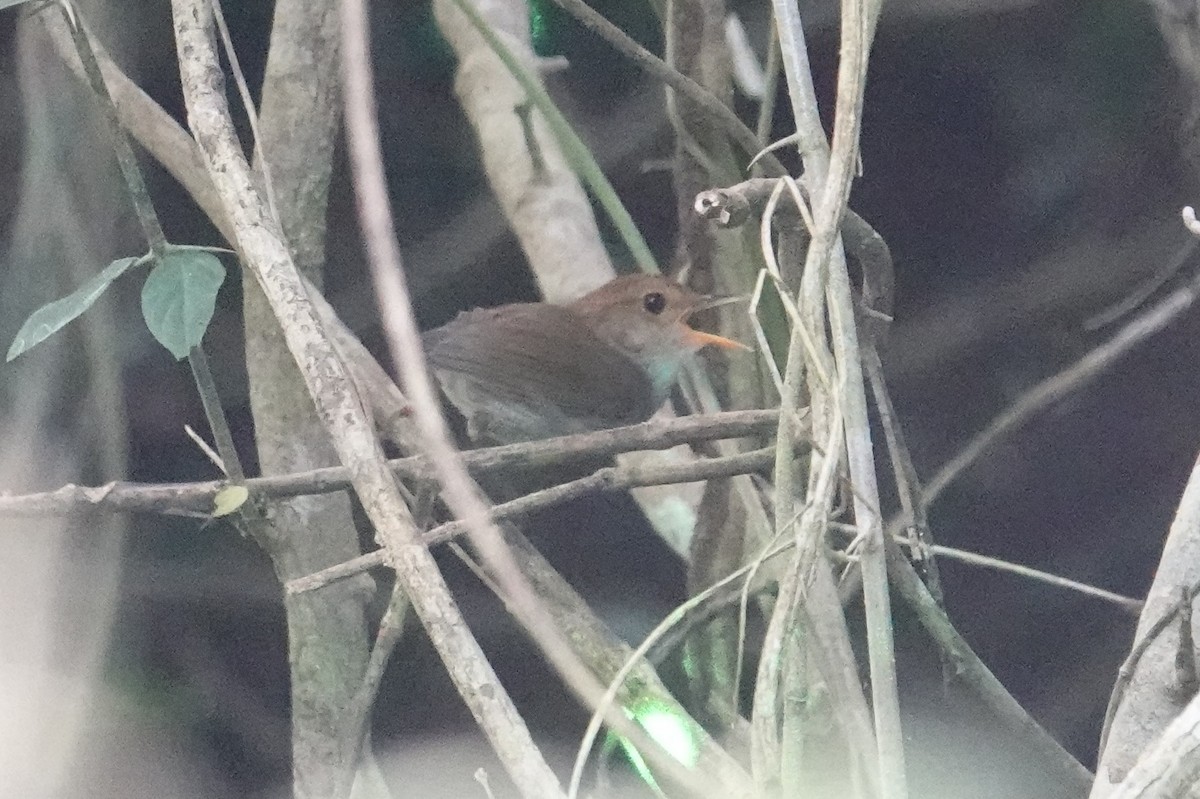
656, 67
1170, 767
197, 497
607, 479
1142, 702
332, 390
829, 172
976, 674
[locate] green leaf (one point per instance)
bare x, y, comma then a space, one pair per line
179, 298
49, 319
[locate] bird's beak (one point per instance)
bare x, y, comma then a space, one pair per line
699, 338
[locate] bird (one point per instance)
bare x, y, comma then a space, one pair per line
528, 371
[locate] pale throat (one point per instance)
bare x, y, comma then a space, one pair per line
659, 350
663, 371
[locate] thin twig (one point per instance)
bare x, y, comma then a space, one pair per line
524, 761
1125, 603
1064, 383
391, 627
1185, 651
971, 670
135, 184
715, 603
657, 68
218, 423
607, 654
908, 484
673, 619
153, 128
205, 448
1145, 290
143, 206
239, 78
606, 479
829, 172
806, 594
766, 108
186, 498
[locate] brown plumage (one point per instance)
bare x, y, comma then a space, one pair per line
535, 370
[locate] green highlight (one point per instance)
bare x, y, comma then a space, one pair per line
672, 731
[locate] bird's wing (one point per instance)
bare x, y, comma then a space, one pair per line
521, 354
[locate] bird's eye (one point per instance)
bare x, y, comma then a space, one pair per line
654, 302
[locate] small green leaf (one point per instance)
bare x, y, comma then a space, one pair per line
49, 319
179, 298
228, 500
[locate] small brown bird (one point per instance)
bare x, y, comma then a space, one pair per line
535, 370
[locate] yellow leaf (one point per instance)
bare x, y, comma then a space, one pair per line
229, 499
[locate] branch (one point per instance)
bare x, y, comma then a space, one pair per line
460, 492
330, 386
608, 479
657, 68
1069, 380
975, 673
197, 497
1170, 769
733, 206
829, 172
177, 152
619, 478
567, 257
908, 484
1142, 702
149, 124
608, 655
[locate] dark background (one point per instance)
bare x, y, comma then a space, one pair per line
1024, 166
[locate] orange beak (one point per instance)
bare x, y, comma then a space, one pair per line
699, 338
